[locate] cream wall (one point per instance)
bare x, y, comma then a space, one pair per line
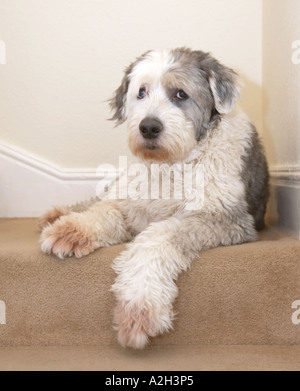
65, 58
281, 82
281, 109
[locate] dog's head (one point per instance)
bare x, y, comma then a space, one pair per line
170, 99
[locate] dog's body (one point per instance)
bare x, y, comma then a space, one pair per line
180, 107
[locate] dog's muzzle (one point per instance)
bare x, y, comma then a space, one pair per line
150, 128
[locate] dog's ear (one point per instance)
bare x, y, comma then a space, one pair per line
118, 101
225, 87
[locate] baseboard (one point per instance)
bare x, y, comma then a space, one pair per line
284, 206
30, 185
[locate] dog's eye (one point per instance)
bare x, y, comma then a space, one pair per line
142, 92
181, 95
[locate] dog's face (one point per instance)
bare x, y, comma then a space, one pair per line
170, 99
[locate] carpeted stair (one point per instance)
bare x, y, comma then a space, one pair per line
59, 312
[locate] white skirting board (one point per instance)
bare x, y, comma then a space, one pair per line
285, 199
29, 186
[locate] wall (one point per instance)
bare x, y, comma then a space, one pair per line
281, 81
281, 104
65, 58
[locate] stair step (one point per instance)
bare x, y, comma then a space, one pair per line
231, 295
154, 358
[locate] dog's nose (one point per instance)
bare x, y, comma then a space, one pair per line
150, 127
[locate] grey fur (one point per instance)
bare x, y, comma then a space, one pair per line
203, 71
117, 102
200, 63
255, 176
187, 75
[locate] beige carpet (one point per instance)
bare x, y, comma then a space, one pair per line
231, 296
154, 358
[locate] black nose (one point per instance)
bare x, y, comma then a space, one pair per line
150, 127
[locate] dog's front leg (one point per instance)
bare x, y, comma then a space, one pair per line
145, 287
101, 225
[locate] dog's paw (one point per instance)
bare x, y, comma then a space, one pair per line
51, 216
136, 323
67, 236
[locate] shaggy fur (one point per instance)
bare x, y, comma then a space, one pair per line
180, 109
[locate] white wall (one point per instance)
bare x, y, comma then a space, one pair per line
281, 103
65, 58
281, 82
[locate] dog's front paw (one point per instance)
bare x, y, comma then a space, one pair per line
135, 323
52, 215
67, 236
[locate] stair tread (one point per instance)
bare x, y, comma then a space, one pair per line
156, 358
231, 295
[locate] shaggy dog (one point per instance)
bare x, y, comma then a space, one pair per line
180, 109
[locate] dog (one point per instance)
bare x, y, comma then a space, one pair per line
180, 106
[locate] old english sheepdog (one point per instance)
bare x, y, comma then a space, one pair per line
180, 106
